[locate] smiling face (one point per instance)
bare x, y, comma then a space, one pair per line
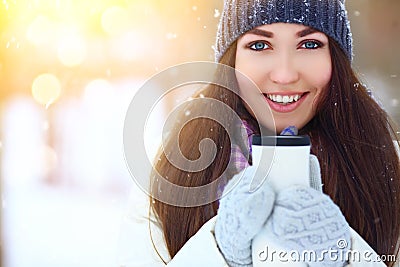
291, 66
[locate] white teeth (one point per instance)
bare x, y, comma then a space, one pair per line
284, 99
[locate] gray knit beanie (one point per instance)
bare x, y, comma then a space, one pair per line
240, 16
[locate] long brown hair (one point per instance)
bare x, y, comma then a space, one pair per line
351, 136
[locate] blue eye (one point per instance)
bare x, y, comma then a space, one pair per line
258, 46
311, 45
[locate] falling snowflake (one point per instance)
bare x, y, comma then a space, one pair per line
394, 103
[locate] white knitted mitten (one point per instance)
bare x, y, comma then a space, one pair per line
241, 215
304, 219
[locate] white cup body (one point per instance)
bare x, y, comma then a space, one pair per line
289, 165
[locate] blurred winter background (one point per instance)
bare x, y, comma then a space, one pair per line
68, 71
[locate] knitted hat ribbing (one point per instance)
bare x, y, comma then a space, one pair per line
240, 16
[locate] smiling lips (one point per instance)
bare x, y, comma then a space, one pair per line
285, 103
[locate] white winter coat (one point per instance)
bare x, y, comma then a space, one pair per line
137, 250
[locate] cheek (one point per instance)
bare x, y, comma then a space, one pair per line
321, 73
246, 77
325, 79
248, 65
249, 94
322, 86
319, 77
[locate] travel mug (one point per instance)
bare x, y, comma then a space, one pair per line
283, 161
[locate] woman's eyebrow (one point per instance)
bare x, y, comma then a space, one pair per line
268, 34
306, 32
261, 33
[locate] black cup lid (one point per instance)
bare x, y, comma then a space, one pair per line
281, 140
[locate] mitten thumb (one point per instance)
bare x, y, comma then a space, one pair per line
315, 173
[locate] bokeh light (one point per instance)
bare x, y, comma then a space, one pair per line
40, 30
46, 88
71, 50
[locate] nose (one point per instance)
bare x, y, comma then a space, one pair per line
284, 71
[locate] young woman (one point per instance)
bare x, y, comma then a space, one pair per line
298, 54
